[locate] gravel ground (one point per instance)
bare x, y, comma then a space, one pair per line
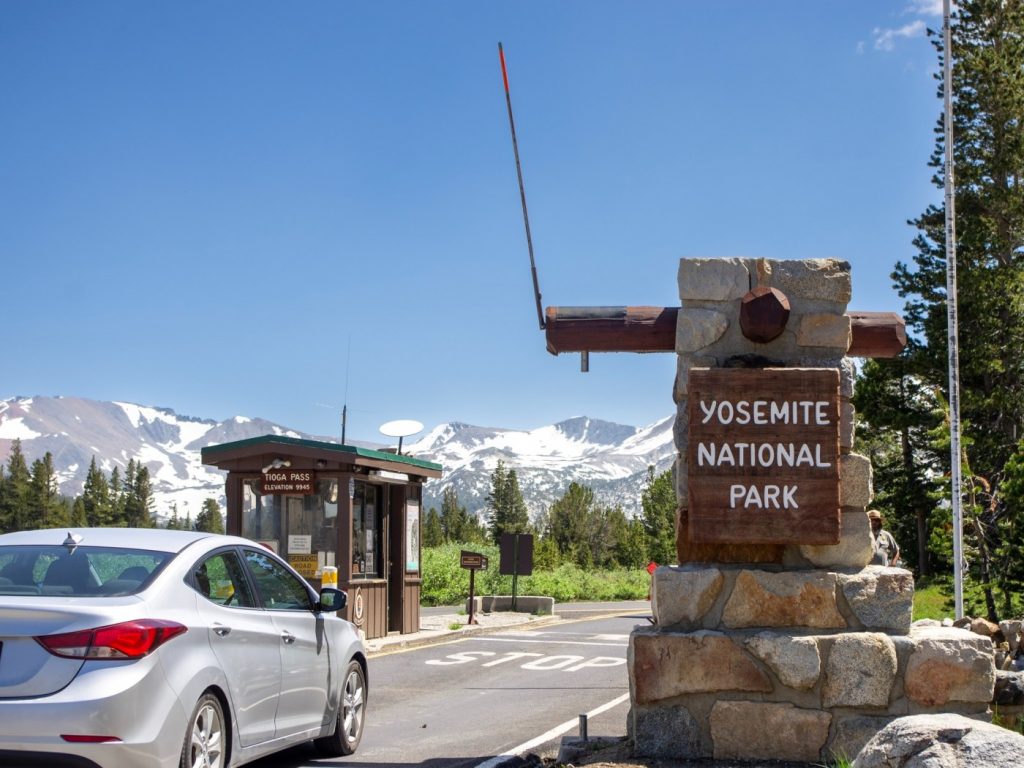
620, 756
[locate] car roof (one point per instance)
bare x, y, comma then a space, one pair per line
158, 539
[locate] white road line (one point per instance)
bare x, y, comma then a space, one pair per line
487, 639
554, 733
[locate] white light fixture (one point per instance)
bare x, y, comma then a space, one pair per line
277, 464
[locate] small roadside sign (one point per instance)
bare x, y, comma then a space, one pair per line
473, 561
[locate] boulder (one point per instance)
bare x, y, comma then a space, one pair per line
942, 741
1009, 689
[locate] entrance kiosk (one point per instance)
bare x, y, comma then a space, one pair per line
323, 505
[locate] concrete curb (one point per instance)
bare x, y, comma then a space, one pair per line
382, 646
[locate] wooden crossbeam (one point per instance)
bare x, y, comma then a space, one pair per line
653, 329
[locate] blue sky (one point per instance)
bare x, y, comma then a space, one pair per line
267, 209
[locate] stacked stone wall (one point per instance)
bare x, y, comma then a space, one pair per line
785, 651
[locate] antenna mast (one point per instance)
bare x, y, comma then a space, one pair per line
951, 320
522, 189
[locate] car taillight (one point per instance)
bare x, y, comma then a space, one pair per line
129, 640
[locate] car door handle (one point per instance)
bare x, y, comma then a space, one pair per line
288, 637
222, 631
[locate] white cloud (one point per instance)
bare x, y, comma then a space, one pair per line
885, 39
927, 7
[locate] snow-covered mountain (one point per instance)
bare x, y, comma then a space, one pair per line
610, 458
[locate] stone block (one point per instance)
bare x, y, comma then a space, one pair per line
855, 480
847, 425
824, 330
847, 377
860, 671
949, 664
682, 596
881, 598
683, 365
750, 730
787, 599
713, 279
681, 427
682, 485
794, 660
814, 279
698, 328
854, 548
667, 664
666, 732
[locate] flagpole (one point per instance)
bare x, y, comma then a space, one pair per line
951, 321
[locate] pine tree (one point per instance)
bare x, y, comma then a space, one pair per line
46, 507
456, 523
117, 497
433, 535
138, 507
988, 148
507, 509
209, 518
96, 497
174, 523
14, 493
658, 502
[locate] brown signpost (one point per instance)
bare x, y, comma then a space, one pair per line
763, 456
473, 562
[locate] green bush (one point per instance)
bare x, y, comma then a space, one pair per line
446, 583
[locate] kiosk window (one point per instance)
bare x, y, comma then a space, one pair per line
299, 528
366, 532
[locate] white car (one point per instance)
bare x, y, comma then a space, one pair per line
144, 647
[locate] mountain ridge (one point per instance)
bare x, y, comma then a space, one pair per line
611, 458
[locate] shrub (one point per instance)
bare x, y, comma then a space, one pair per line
446, 583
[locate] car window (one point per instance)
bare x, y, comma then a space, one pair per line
279, 588
221, 579
84, 571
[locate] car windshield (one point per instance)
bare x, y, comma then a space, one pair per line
85, 571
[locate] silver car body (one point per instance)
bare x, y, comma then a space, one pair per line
278, 671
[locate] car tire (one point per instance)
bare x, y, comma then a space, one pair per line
206, 736
348, 727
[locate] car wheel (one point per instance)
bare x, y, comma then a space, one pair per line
348, 729
205, 738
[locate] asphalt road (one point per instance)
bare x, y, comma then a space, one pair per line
465, 703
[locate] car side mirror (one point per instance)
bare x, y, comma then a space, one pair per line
332, 600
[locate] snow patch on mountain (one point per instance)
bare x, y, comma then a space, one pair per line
612, 459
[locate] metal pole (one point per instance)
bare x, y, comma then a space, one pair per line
951, 320
522, 189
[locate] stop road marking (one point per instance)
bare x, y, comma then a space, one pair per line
540, 662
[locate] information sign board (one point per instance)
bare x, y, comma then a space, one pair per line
763, 456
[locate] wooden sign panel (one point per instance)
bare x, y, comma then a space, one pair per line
763, 456
473, 561
287, 481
